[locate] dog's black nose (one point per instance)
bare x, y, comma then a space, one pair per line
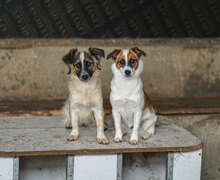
85, 77
127, 72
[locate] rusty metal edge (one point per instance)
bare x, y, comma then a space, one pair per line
169, 166
119, 166
70, 167
16, 168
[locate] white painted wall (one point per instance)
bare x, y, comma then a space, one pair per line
144, 166
135, 166
187, 165
96, 167
6, 168
43, 168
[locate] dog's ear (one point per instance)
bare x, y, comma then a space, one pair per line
138, 52
68, 58
97, 53
114, 54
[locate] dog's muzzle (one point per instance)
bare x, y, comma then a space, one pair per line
127, 73
84, 77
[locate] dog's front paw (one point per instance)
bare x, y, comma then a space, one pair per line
103, 140
68, 127
117, 139
146, 136
68, 124
133, 141
72, 137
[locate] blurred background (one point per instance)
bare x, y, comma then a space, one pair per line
109, 19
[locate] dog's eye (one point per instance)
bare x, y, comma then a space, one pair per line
121, 62
88, 63
132, 61
78, 65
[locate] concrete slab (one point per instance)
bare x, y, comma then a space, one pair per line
28, 136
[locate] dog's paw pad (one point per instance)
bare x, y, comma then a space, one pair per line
103, 140
133, 141
117, 140
72, 137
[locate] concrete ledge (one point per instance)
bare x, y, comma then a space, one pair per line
162, 106
33, 69
188, 42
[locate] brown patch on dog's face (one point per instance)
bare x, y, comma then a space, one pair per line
127, 61
133, 59
120, 60
71, 69
95, 68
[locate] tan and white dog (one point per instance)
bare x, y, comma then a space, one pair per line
85, 102
127, 97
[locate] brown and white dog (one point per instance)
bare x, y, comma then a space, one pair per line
127, 97
85, 102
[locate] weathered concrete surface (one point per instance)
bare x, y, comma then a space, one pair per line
46, 135
32, 69
207, 129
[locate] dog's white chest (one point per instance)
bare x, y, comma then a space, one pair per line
125, 105
127, 97
126, 109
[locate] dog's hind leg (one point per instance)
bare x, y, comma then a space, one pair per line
66, 115
149, 120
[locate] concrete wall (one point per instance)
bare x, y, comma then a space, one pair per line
33, 68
